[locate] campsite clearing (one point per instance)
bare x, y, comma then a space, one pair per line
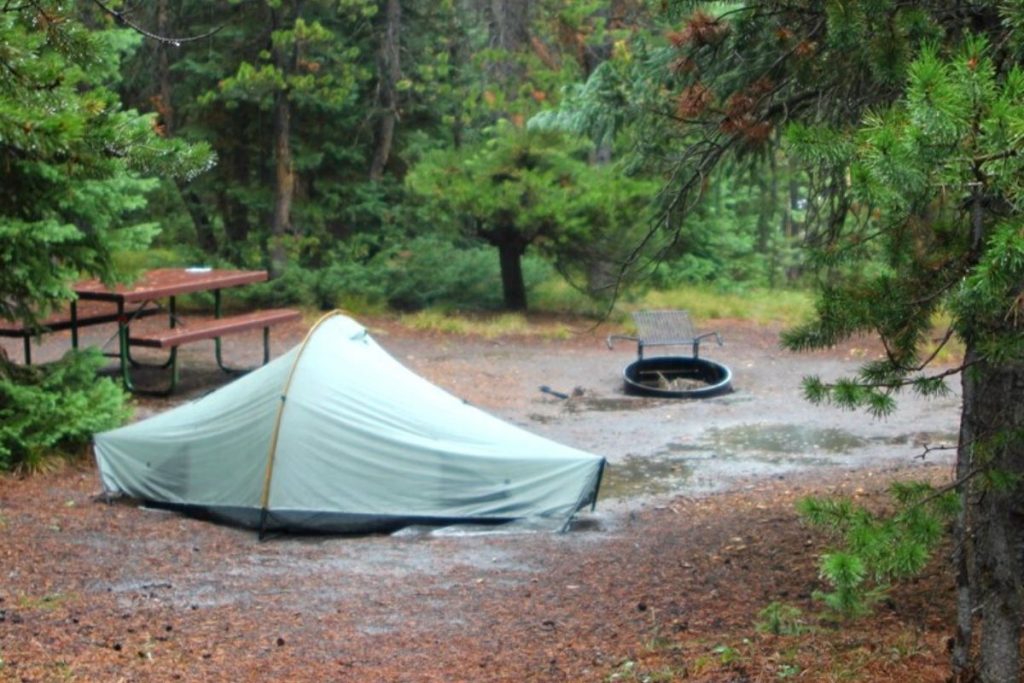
664, 582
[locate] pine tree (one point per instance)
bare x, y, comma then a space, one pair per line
76, 165
75, 169
523, 188
906, 122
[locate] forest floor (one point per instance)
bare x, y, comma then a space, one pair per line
695, 533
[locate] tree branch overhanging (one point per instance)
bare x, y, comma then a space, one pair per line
122, 18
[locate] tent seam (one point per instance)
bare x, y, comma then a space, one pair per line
272, 452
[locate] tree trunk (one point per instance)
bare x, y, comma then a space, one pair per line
963, 533
510, 253
459, 57
284, 169
233, 212
205, 238
994, 417
389, 73
163, 68
165, 107
509, 28
284, 184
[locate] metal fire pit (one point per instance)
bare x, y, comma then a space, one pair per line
677, 377
672, 376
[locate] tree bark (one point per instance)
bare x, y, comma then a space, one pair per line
963, 555
165, 107
993, 419
509, 30
510, 254
284, 184
232, 211
163, 68
284, 169
389, 73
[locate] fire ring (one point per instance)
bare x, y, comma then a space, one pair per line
677, 377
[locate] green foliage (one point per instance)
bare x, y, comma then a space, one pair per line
432, 271
876, 549
76, 170
424, 272
75, 162
535, 187
914, 176
56, 409
781, 619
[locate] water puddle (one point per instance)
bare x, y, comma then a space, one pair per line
782, 438
640, 476
743, 450
602, 404
627, 403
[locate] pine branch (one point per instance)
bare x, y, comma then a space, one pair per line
122, 18
943, 490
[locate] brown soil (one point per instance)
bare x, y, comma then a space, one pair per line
662, 582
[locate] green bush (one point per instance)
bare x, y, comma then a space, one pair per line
55, 409
425, 272
434, 272
875, 550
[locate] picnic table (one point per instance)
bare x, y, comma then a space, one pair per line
156, 292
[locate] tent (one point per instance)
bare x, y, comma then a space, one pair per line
337, 436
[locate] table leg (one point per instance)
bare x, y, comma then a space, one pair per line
172, 321
216, 340
74, 324
218, 351
122, 349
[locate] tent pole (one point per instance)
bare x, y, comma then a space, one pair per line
272, 454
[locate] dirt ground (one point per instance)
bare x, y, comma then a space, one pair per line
695, 533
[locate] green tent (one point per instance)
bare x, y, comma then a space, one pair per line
337, 436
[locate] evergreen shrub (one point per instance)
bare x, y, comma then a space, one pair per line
426, 272
54, 409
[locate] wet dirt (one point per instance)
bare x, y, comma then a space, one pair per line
184, 599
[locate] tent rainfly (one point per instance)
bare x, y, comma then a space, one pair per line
337, 436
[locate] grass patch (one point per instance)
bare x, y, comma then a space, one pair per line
788, 307
486, 326
45, 603
555, 295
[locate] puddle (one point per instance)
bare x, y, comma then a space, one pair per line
624, 403
636, 476
782, 439
606, 404
746, 450
741, 450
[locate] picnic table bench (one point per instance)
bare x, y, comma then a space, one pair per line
125, 305
68, 318
169, 283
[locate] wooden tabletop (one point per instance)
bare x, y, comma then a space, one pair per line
165, 282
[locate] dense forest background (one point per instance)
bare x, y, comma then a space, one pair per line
458, 153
